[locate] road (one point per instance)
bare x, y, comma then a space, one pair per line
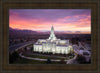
76, 49
71, 61
13, 47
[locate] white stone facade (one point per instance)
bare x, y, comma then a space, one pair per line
52, 44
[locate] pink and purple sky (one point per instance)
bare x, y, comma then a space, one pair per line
73, 20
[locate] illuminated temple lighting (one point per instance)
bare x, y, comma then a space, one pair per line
52, 44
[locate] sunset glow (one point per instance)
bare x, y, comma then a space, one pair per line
73, 20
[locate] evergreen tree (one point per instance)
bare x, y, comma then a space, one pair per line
48, 61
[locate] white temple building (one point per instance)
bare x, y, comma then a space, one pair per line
52, 44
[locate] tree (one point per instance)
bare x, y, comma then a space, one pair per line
25, 48
48, 61
13, 57
62, 61
81, 59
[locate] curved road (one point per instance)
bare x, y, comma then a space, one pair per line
13, 47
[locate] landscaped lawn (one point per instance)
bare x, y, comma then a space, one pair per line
28, 61
43, 57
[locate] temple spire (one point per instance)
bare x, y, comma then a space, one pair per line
52, 35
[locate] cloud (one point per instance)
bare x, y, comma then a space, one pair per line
42, 19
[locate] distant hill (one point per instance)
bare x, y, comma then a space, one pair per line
24, 33
11, 30
19, 33
29, 34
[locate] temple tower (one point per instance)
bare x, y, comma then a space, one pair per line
52, 35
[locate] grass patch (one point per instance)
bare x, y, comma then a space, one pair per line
43, 57
28, 61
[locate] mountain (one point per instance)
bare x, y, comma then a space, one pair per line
78, 32
23, 33
18, 32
